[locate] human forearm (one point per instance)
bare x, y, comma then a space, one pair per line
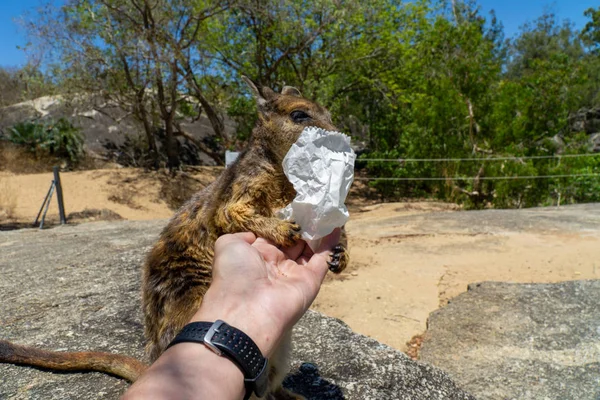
192, 371
189, 371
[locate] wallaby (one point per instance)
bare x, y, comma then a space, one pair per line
243, 198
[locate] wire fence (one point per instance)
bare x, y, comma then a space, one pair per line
488, 159
482, 178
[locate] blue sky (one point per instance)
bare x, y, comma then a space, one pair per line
512, 13
11, 34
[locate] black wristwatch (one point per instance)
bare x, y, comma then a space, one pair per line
225, 340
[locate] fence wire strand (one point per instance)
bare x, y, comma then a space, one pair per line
482, 178
489, 159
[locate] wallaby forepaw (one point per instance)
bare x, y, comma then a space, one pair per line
339, 259
288, 233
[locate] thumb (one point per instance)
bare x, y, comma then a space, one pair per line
329, 241
318, 261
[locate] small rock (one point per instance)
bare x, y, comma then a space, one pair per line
520, 341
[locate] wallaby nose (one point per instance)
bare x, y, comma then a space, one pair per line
327, 126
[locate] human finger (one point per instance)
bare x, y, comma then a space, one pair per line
306, 255
268, 250
228, 239
294, 252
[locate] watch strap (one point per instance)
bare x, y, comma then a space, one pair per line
231, 342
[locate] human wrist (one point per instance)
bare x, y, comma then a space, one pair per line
248, 318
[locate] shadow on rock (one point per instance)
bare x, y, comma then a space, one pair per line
308, 382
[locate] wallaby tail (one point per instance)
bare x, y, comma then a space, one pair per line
121, 366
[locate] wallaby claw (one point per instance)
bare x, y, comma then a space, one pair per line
339, 259
333, 265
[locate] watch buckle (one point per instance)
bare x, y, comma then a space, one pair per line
210, 334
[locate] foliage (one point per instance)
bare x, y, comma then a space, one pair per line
425, 79
60, 138
20, 84
143, 55
591, 32
475, 96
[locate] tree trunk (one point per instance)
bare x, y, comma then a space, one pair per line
215, 155
152, 148
173, 161
213, 117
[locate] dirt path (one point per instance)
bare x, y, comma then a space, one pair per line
131, 193
407, 259
407, 262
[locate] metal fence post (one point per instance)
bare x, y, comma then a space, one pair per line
47, 199
52, 187
59, 196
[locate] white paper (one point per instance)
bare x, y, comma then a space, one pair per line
320, 166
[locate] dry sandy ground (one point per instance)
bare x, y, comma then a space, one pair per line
399, 272
131, 193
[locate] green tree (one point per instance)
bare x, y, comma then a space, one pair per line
325, 48
591, 37
591, 31
20, 84
138, 54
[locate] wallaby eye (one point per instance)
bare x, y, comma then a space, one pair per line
299, 116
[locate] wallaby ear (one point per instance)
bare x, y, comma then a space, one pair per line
261, 96
291, 91
268, 93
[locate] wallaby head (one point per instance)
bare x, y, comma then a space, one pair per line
283, 116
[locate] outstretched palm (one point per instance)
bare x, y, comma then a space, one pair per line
284, 282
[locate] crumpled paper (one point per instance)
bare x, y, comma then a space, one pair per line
320, 166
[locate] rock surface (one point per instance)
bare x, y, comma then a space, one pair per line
104, 125
77, 288
588, 121
520, 341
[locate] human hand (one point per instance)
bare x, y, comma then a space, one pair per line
261, 289
258, 288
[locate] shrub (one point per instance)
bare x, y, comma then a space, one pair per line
61, 138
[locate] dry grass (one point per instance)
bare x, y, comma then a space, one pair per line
93, 214
17, 160
8, 201
177, 188
125, 196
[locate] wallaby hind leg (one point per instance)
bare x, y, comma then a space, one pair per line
284, 394
279, 365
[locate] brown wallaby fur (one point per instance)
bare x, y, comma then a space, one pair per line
178, 269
